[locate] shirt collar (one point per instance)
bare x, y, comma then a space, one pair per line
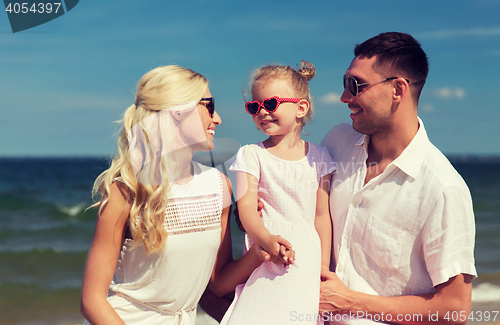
412, 156
363, 141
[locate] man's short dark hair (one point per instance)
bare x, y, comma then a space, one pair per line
399, 54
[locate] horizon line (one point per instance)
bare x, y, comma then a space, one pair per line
454, 156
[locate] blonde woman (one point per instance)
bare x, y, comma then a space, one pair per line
162, 231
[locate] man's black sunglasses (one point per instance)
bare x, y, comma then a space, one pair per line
353, 85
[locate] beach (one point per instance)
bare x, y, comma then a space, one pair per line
45, 233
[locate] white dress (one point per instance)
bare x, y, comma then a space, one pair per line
274, 294
165, 288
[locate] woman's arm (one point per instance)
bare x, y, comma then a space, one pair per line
323, 221
102, 258
247, 191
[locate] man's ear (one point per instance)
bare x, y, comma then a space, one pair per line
303, 108
401, 89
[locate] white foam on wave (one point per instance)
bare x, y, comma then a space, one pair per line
74, 210
486, 292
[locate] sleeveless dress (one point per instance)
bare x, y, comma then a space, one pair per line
165, 288
273, 294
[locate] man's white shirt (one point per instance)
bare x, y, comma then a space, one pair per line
405, 231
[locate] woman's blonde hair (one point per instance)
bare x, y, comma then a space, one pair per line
157, 90
299, 79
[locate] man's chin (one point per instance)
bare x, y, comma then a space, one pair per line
359, 128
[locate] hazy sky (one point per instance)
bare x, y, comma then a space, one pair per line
62, 84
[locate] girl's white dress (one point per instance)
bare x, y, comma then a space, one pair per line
274, 294
165, 288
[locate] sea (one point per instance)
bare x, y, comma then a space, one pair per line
46, 231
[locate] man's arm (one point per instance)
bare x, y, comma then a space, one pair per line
452, 299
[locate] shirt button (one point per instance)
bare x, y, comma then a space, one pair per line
354, 204
346, 237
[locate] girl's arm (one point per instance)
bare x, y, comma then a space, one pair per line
323, 221
247, 191
227, 274
102, 258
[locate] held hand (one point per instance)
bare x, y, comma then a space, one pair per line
260, 252
264, 256
334, 295
288, 254
273, 245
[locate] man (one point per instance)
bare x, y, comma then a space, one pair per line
402, 216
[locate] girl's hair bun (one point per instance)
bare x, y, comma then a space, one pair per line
306, 70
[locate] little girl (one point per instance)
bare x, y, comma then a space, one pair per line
291, 177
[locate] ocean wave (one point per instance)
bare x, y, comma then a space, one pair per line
73, 210
486, 292
15, 206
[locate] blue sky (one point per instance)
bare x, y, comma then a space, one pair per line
62, 84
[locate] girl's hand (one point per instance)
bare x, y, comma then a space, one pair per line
264, 256
288, 254
276, 246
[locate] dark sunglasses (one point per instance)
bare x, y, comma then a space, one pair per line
353, 85
269, 104
210, 105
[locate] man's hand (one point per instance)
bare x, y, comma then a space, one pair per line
334, 295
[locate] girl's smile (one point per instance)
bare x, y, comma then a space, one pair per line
283, 120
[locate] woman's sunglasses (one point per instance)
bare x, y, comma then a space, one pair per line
351, 83
210, 105
269, 104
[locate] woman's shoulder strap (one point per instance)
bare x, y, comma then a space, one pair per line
124, 189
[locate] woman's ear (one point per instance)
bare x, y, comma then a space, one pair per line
303, 108
177, 115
